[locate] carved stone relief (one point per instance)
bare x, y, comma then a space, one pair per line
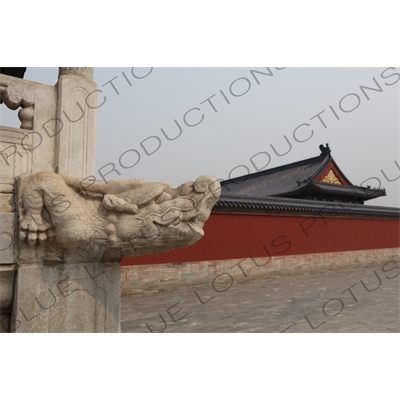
97, 221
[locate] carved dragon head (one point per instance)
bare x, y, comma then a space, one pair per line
111, 220
174, 218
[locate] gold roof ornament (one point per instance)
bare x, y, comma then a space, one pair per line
331, 178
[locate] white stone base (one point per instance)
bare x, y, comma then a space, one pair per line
67, 298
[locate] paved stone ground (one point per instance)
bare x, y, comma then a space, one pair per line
308, 303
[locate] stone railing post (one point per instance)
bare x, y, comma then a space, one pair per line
76, 122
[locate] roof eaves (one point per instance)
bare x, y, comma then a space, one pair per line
287, 204
358, 191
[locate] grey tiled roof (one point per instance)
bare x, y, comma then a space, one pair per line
274, 181
291, 180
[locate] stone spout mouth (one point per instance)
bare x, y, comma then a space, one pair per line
196, 227
191, 206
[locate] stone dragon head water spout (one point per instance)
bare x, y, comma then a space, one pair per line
97, 220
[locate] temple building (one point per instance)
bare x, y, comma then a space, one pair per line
317, 178
300, 217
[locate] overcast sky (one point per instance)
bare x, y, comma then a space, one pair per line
234, 132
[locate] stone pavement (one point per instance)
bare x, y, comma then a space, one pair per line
357, 300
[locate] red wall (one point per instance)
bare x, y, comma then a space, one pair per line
230, 236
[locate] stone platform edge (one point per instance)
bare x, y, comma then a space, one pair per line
158, 278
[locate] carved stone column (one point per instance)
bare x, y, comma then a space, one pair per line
67, 297
51, 292
76, 122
